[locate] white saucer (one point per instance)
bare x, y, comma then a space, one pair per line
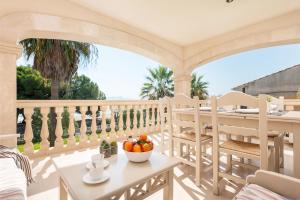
89, 164
88, 180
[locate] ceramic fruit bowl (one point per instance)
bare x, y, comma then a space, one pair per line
138, 157
138, 150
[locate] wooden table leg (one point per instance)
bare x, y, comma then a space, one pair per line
63, 194
296, 147
168, 190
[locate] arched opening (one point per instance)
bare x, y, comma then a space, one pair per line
272, 70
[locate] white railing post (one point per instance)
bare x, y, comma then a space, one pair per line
94, 136
103, 123
128, 122
121, 122
83, 136
112, 133
59, 129
134, 122
71, 139
153, 119
141, 121
147, 119
157, 118
28, 135
44, 145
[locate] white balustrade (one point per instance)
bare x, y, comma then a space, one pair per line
113, 125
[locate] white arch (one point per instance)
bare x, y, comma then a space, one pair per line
19, 26
281, 30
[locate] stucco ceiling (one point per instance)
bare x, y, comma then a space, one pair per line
188, 21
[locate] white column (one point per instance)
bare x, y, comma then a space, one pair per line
8, 88
182, 83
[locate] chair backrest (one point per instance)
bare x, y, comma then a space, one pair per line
275, 104
242, 127
181, 103
165, 113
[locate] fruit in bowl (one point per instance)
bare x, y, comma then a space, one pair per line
138, 150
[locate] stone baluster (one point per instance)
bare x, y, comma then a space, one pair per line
159, 123
147, 118
112, 123
128, 122
144, 115
44, 131
94, 136
83, 136
103, 123
28, 149
72, 139
153, 118
139, 120
134, 128
157, 119
121, 121
59, 129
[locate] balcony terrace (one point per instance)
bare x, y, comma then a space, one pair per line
141, 120
179, 36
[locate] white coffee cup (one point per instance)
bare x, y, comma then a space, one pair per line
97, 159
97, 167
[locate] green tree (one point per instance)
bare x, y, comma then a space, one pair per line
31, 85
199, 87
159, 84
57, 60
81, 87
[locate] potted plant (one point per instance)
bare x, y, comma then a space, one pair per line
114, 147
105, 149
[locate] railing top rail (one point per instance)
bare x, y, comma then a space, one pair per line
291, 102
56, 103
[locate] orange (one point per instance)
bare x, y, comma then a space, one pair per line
137, 148
128, 146
143, 137
146, 147
151, 145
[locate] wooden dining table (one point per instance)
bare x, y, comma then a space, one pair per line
286, 121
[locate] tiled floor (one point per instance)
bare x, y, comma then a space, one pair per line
46, 185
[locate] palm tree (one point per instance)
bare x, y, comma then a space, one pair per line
57, 60
199, 87
159, 84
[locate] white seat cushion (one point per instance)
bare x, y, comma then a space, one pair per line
7, 163
256, 192
13, 183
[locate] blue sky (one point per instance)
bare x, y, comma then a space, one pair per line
121, 74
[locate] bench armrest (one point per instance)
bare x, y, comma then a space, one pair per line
9, 140
284, 185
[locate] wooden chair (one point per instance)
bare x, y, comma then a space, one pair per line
239, 128
277, 137
186, 132
287, 187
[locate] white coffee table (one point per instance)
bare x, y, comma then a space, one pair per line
134, 181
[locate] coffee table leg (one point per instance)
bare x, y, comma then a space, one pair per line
168, 190
63, 194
